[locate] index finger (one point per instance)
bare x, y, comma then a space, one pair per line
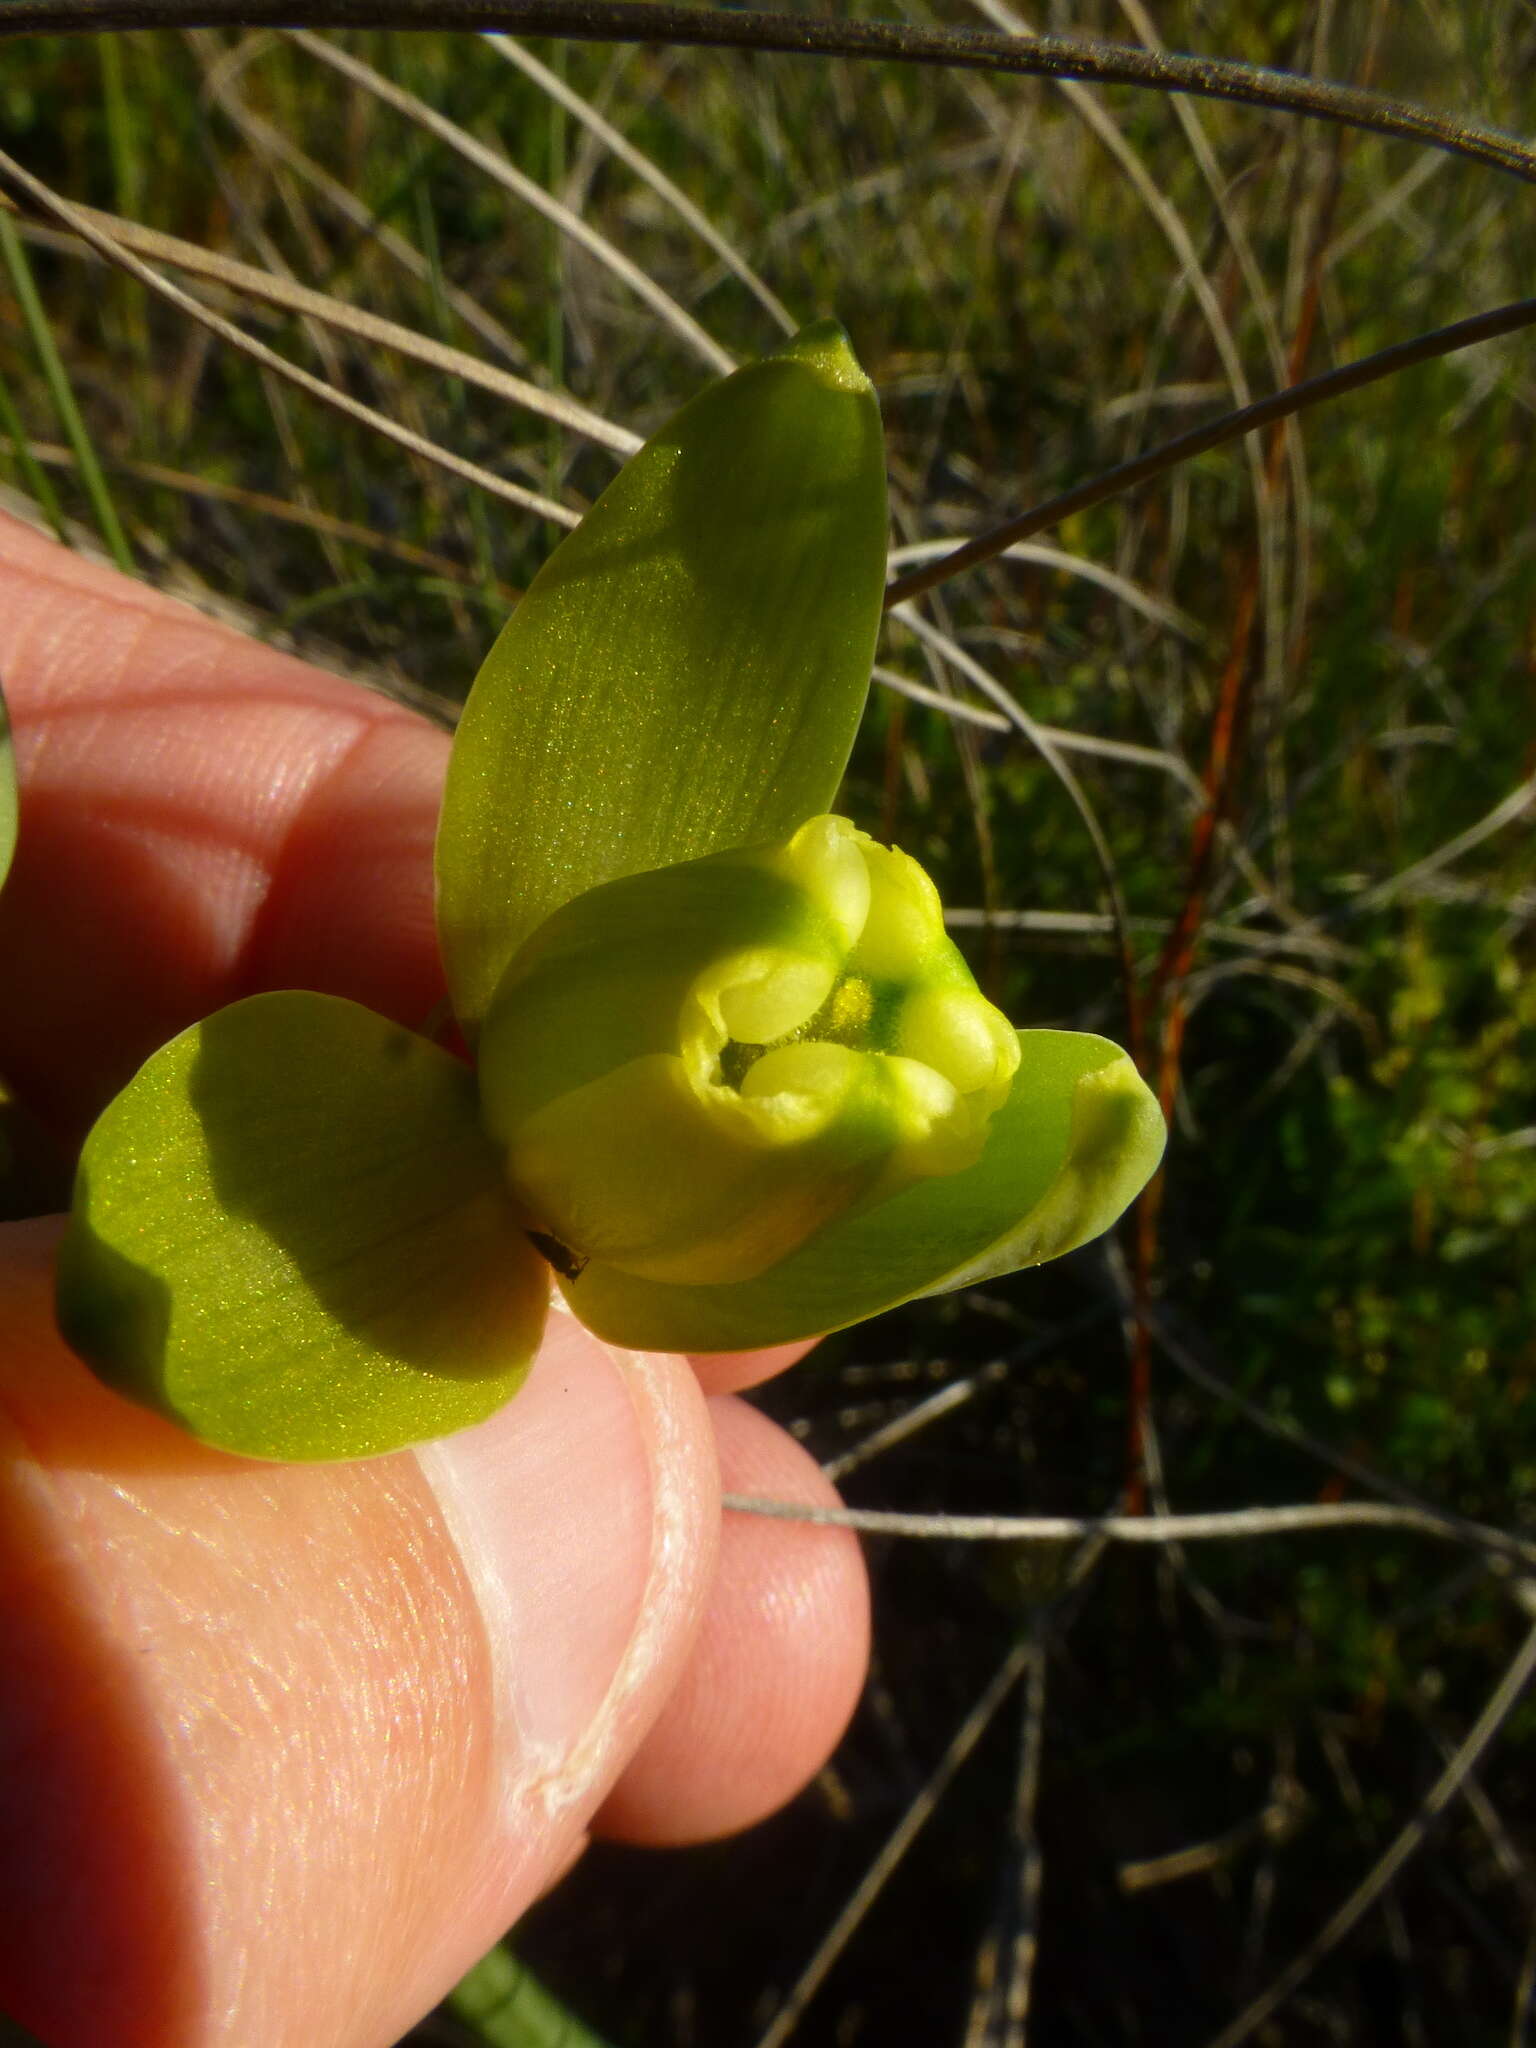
202, 818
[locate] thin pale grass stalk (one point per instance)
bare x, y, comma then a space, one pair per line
1484, 1731
1217, 184
1410, 881
1223, 1526
876, 185
219, 76
956, 1394
456, 394
900, 1840
1129, 753
1159, 609
1097, 118
1382, 210
1013, 127
912, 1421
1321, 156
105, 245
288, 296
1157, 398
950, 650
1074, 1579
933, 646
937, 700
1506, 812
1199, 984
1274, 1821
649, 172
506, 174
1281, 405
1520, 2022
246, 203
1030, 1859
649, 21
1097, 924
1048, 751
55, 456
61, 392
1004, 1967
1515, 1866
289, 440
1174, 1570
1304, 1047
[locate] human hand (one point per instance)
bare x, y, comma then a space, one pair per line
285, 1748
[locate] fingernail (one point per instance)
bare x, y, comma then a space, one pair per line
580, 1528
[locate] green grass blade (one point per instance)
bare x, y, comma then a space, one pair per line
60, 390
36, 478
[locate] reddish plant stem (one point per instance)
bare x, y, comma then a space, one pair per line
1164, 993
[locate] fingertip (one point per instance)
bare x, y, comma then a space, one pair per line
779, 1663
731, 1372
202, 817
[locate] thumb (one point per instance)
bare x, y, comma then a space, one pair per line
283, 1749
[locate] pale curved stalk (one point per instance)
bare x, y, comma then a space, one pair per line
1092, 113
1501, 1703
1224, 1526
1282, 639
649, 173
1044, 746
265, 136
71, 217
921, 1810
496, 167
935, 700
56, 456
291, 297
1041, 556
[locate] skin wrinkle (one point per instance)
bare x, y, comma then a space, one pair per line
310, 1810
286, 748
673, 1518
48, 586
254, 790
643, 1418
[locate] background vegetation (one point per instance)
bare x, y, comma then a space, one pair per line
1156, 1791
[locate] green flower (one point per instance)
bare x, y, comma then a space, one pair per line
692, 1072
733, 1081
